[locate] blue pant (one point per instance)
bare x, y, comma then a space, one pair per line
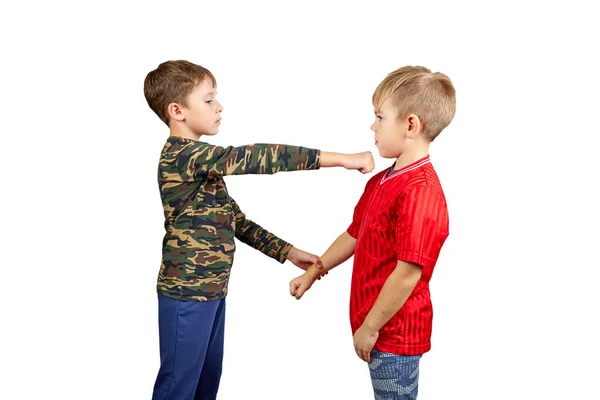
191, 349
394, 377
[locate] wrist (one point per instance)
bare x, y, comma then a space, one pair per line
329, 159
370, 326
290, 253
313, 273
346, 161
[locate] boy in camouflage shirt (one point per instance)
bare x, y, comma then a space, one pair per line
201, 221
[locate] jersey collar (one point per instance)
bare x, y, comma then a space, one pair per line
403, 170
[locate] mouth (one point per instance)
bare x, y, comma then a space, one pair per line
218, 121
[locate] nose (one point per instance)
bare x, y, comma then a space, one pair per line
219, 107
373, 127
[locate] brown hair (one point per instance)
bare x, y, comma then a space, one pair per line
172, 82
417, 90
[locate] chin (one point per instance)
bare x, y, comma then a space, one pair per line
389, 154
383, 154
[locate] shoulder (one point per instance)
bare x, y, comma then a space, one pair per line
423, 195
425, 180
178, 147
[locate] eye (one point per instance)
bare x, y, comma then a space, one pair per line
379, 117
209, 101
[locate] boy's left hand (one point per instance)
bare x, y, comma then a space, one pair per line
364, 341
303, 260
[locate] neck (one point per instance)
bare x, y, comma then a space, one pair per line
182, 131
412, 155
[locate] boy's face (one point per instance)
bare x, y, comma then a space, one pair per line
203, 111
390, 135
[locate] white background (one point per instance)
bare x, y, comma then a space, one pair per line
514, 293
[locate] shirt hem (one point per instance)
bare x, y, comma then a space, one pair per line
403, 350
198, 298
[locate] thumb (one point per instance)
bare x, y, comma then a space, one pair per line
293, 288
316, 261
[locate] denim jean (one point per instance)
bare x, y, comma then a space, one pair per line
394, 377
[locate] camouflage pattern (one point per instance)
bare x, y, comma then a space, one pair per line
201, 219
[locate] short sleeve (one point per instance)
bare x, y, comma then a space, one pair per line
359, 209
422, 225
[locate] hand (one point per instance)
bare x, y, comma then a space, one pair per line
301, 284
364, 340
303, 260
361, 161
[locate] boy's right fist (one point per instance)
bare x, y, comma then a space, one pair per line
300, 285
361, 161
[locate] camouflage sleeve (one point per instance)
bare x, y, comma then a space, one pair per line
259, 238
215, 161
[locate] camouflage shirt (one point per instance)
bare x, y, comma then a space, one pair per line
201, 219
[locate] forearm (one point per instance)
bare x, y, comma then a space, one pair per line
257, 237
339, 251
273, 158
329, 159
396, 290
261, 158
262, 240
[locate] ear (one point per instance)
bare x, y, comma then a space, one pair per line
413, 127
175, 112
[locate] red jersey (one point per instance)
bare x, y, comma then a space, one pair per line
401, 216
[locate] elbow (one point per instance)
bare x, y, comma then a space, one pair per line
410, 273
410, 281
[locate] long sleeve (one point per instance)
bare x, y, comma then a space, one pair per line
259, 238
187, 160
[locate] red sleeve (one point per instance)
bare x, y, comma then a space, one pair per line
422, 226
359, 210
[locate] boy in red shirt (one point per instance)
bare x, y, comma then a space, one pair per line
399, 226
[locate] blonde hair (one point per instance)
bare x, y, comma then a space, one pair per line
417, 90
172, 82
